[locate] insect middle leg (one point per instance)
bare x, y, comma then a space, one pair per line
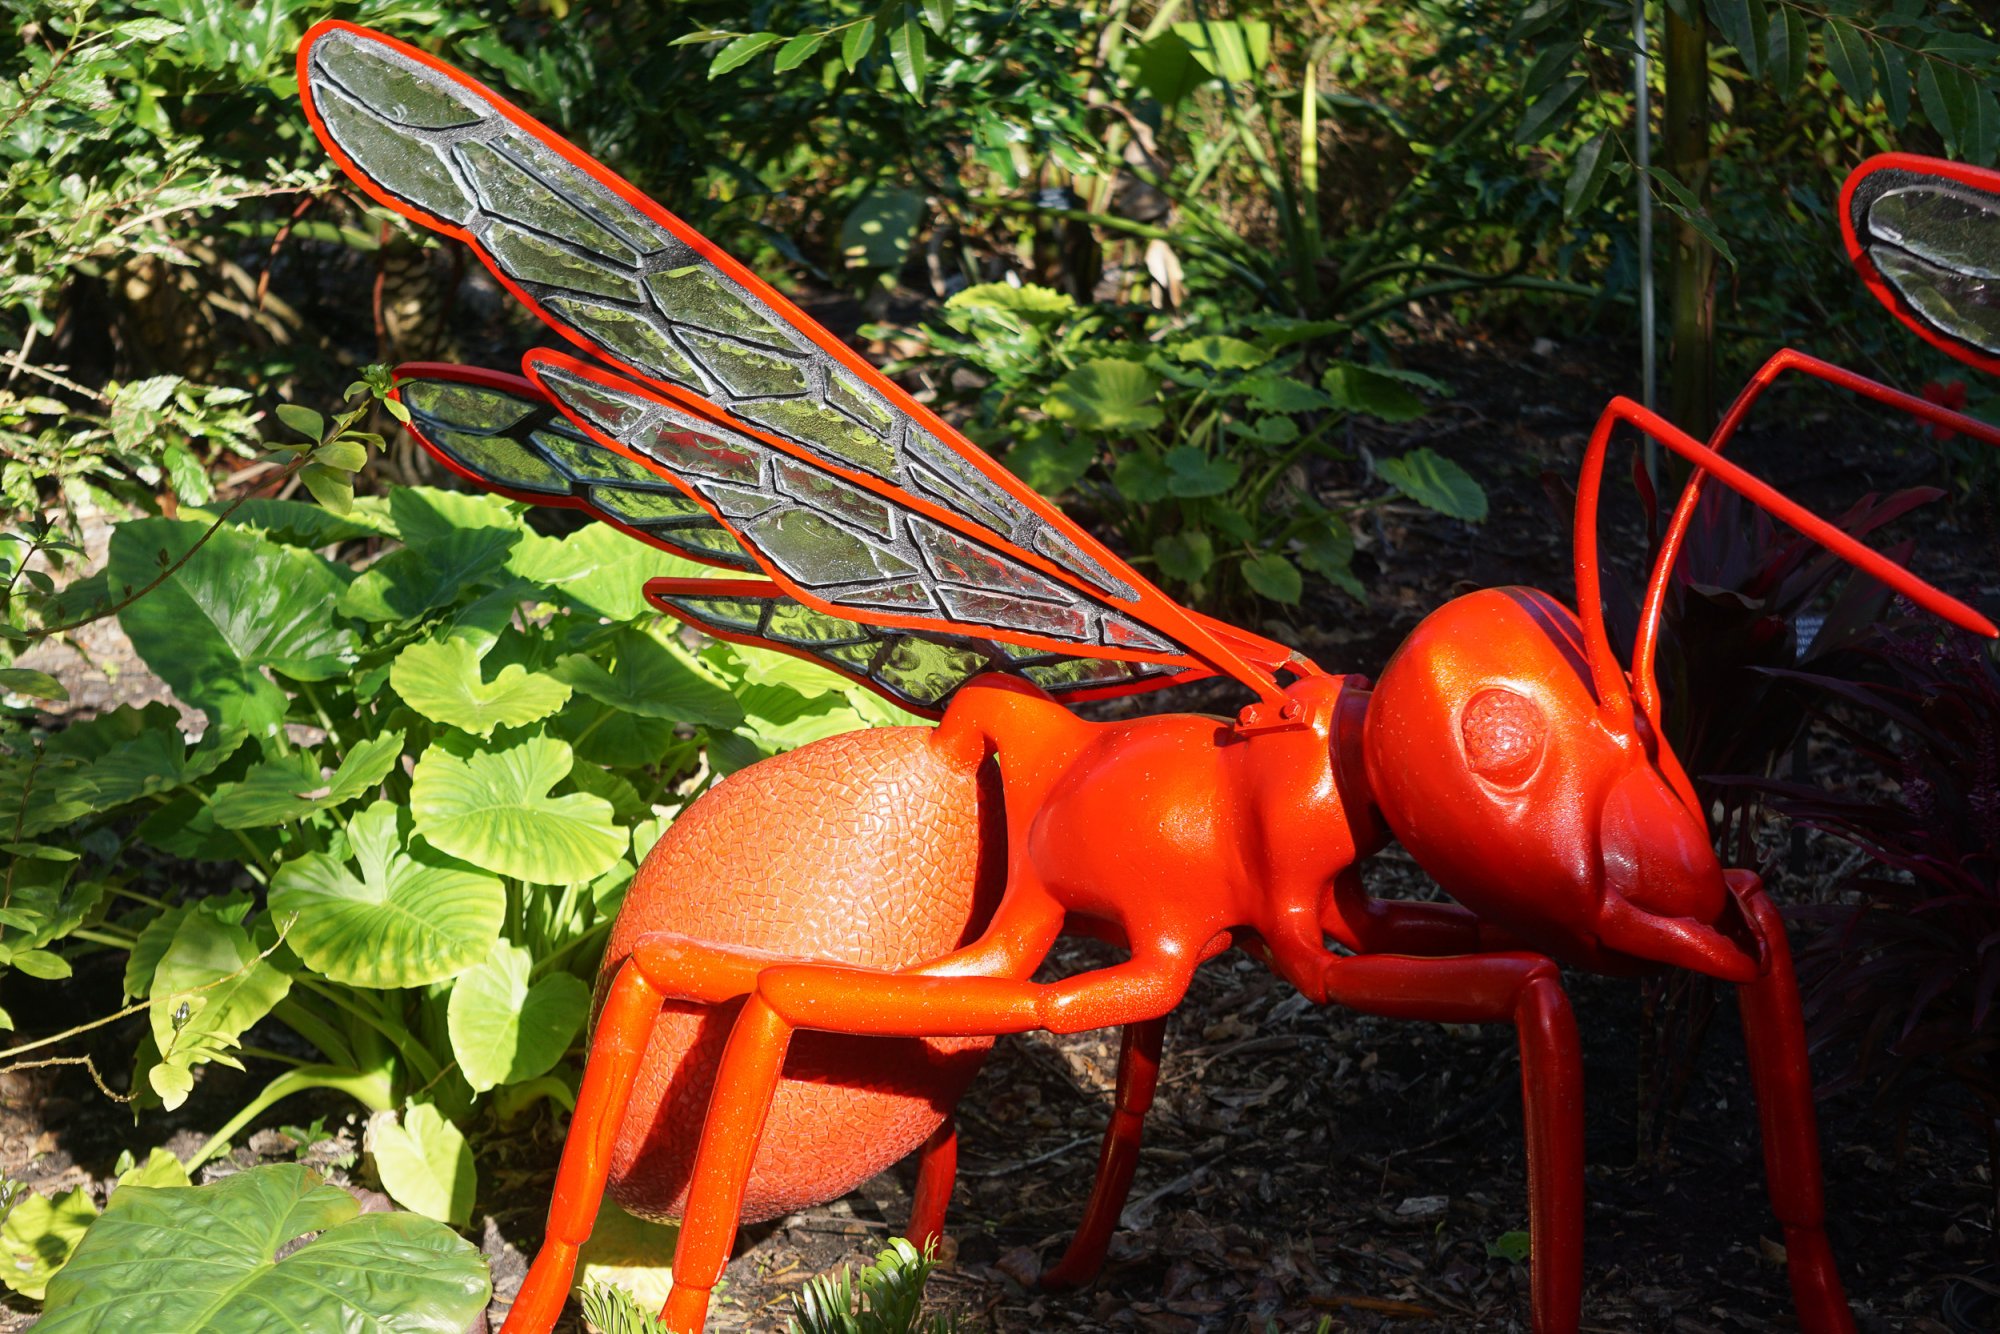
1138, 1077
1380, 926
1525, 990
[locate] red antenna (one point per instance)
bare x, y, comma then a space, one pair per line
1616, 701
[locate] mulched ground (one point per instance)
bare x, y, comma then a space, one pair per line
1302, 1164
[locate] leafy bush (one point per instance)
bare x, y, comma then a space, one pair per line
430, 779
1189, 444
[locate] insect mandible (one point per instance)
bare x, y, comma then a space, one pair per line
839, 933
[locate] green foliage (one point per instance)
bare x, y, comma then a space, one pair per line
40, 1235
887, 1297
205, 1259
441, 840
1190, 443
424, 1162
609, 1309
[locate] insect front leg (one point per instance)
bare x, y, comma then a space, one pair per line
1774, 1033
615, 1055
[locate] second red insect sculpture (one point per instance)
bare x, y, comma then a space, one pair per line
817, 954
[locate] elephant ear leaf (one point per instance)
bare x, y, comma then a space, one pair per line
205, 1260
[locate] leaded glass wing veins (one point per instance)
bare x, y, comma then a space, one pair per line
513, 440
766, 443
917, 670
626, 286
849, 546
1936, 243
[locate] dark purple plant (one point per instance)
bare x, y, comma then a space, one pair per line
1905, 975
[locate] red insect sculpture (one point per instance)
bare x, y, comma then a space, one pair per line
817, 954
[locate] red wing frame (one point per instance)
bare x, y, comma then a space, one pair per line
856, 502
1925, 235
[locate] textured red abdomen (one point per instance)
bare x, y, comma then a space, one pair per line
865, 848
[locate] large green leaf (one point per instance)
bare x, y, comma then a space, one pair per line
1184, 556
158, 934
651, 679
414, 581
443, 682
601, 570
493, 809
291, 788
1192, 472
298, 523
1274, 577
1219, 352
140, 752
1377, 391
1116, 397
39, 1237
39, 793
424, 515
204, 1260
211, 985
1434, 481
504, 1030
1032, 303
408, 918
239, 608
425, 1163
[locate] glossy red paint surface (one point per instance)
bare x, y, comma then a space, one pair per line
818, 944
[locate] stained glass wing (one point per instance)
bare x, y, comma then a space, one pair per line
1925, 234
628, 282
502, 432
915, 669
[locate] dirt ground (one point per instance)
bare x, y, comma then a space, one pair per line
1300, 1163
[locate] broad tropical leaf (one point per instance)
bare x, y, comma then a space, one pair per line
204, 1260
401, 916
443, 682
425, 1163
505, 1029
493, 809
240, 606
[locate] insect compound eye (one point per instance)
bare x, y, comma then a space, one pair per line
1504, 733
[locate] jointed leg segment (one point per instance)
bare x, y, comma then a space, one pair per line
1138, 1077
852, 1000
1526, 990
615, 1055
1774, 1033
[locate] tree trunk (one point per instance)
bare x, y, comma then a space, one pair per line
1691, 400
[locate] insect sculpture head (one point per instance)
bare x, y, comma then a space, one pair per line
1606, 861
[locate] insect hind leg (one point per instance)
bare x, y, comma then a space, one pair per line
615, 1056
